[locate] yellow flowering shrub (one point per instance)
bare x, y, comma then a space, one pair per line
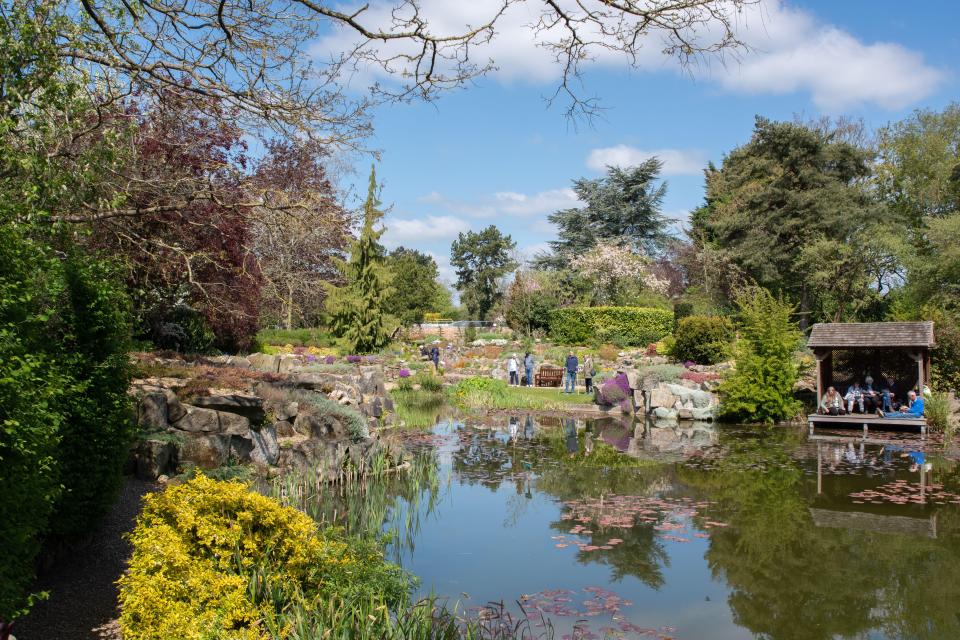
216, 560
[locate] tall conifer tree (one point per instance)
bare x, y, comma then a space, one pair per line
357, 308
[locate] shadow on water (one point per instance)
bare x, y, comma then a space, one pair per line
638, 530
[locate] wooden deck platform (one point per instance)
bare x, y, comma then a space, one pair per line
860, 521
864, 421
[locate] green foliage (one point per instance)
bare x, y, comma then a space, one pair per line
919, 168
634, 326
937, 411
99, 425
185, 330
215, 560
481, 259
415, 285
680, 311
353, 420
490, 393
761, 387
358, 308
429, 382
32, 387
662, 372
625, 205
316, 337
529, 300
792, 187
703, 339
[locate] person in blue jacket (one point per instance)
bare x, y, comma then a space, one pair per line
570, 384
913, 411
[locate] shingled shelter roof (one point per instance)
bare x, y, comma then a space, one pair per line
846, 335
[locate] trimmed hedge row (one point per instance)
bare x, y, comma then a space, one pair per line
630, 326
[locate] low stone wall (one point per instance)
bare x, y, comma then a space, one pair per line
270, 423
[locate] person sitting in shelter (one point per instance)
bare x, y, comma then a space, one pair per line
888, 396
871, 397
914, 411
854, 394
832, 402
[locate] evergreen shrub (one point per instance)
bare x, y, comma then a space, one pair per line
761, 386
214, 560
703, 339
632, 326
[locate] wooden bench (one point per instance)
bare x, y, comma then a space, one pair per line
548, 377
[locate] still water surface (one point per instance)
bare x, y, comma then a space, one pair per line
607, 528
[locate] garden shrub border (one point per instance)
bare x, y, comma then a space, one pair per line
635, 326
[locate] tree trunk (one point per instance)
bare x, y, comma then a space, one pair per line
289, 307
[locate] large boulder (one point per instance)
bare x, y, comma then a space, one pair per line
700, 399
313, 381
372, 381
238, 362
264, 362
206, 451
198, 420
314, 455
152, 411
663, 413
175, 409
323, 426
290, 362
266, 447
660, 397
705, 414
233, 424
154, 458
233, 401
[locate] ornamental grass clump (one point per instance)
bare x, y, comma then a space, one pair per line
214, 560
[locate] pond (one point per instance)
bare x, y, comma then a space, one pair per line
610, 529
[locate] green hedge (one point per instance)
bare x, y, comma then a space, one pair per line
629, 326
703, 339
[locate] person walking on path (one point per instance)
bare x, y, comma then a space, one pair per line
570, 385
528, 367
514, 368
588, 373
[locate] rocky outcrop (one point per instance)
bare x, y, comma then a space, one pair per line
669, 402
267, 424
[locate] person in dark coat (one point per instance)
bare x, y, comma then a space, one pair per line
435, 356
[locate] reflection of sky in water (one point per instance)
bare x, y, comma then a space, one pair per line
494, 534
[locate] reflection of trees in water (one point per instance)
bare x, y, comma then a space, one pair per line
790, 579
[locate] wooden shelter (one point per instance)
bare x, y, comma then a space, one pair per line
851, 351
847, 352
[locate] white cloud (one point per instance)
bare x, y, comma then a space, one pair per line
791, 51
419, 230
676, 162
795, 53
505, 203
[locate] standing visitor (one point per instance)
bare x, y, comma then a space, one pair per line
588, 373
528, 367
435, 356
514, 368
570, 384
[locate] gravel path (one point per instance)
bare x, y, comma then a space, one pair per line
83, 593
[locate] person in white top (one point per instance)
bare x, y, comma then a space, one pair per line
513, 366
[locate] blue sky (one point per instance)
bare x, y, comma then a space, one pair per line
494, 153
